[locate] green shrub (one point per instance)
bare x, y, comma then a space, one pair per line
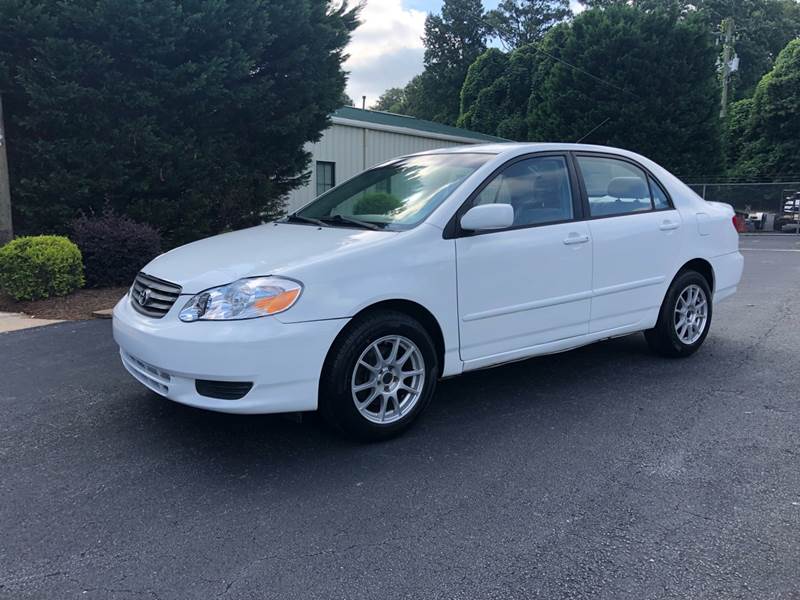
40, 266
376, 203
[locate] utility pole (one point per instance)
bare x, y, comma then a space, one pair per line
727, 50
6, 231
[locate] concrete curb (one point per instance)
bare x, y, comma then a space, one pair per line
18, 321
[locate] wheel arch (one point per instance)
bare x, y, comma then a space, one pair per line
408, 307
702, 266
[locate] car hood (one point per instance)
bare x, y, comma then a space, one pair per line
269, 249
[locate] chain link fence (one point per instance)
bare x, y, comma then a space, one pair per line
766, 207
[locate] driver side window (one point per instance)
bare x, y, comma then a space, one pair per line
538, 189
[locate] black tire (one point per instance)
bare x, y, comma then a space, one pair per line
336, 402
663, 339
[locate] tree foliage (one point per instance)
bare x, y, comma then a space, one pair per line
618, 76
768, 128
414, 99
520, 22
763, 28
495, 95
641, 80
482, 74
392, 100
735, 128
191, 116
453, 40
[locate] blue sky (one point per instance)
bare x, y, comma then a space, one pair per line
386, 51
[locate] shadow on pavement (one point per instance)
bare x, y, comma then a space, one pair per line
468, 410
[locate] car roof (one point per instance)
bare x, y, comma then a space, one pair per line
513, 148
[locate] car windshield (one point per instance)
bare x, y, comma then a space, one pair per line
395, 196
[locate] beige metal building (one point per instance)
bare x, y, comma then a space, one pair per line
358, 139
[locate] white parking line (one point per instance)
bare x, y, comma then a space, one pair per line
773, 249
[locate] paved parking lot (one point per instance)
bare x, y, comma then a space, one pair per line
600, 473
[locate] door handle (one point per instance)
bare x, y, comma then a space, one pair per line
576, 238
668, 225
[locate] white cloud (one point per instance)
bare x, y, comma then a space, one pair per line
576, 6
386, 50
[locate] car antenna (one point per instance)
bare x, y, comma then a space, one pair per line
593, 130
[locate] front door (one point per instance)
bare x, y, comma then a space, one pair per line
530, 284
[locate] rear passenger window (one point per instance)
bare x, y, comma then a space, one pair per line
537, 188
614, 187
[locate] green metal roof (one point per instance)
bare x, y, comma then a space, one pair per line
377, 117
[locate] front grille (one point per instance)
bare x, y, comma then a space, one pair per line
224, 390
152, 296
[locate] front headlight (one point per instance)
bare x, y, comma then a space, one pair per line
243, 299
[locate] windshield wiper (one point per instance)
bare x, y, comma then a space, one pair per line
302, 219
350, 220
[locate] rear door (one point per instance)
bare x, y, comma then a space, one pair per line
530, 284
634, 229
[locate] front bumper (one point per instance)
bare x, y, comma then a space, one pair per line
283, 361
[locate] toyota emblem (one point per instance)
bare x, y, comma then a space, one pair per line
144, 297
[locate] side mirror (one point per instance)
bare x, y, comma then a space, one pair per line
487, 217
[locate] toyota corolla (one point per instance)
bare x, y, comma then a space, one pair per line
425, 267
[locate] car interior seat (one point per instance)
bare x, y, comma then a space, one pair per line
631, 194
542, 198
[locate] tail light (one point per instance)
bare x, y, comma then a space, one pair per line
739, 224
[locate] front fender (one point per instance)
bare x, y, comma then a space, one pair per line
417, 266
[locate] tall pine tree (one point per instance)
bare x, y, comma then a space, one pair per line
453, 40
190, 115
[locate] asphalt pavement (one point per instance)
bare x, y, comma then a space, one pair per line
605, 472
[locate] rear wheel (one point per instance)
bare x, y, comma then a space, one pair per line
379, 376
685, 317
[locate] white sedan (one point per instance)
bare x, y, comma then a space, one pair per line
425, 267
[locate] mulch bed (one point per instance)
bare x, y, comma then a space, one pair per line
76, 306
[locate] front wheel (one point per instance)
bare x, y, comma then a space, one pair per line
379, 376
684, 319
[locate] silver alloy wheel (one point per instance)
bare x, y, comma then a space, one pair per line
691, 314
388, 379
